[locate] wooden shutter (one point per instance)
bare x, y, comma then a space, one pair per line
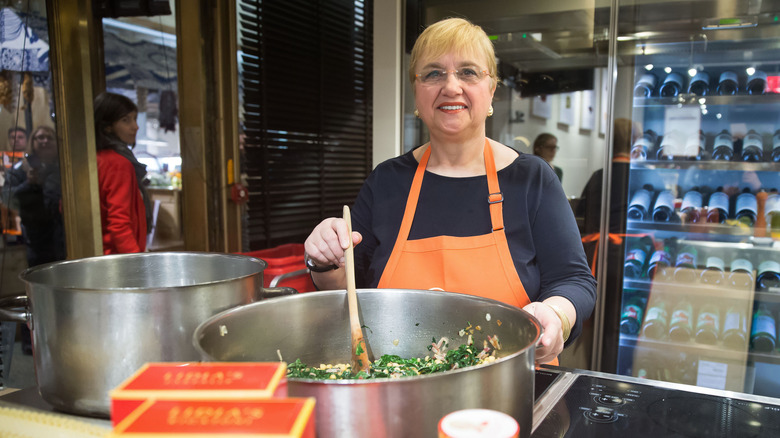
306, 80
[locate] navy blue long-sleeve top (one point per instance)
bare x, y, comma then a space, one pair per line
542, 234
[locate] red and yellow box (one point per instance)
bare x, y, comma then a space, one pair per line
199, 381
277, 418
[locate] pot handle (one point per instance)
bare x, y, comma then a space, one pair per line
10, 309
277, 291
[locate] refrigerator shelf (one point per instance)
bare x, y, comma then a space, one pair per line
684, 164
692, 99
697, 289
731, 233
717, 351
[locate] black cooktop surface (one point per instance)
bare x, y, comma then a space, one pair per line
600, 407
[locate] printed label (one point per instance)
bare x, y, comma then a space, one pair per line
681, 316
772, 204
741, 265
715, 263
660, 257
656, 313
707, 320
763, 324
691, 200
719, 200
638, 255
746, 201
686, 258
733, 321
631, 311
768, 265
641, 198
665, 198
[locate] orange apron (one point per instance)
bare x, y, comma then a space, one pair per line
475, 265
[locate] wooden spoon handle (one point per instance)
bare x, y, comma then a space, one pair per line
360, 359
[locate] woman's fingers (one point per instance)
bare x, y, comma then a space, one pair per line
551, 343
327, 242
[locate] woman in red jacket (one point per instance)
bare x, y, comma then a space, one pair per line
124, 202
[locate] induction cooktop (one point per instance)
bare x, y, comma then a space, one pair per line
598, 406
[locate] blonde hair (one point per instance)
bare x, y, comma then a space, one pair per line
453, 34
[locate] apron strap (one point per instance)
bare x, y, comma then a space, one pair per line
495, 197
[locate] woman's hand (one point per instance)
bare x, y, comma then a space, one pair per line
551, 343
325, 246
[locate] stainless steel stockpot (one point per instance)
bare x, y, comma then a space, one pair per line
315, 328
96, 320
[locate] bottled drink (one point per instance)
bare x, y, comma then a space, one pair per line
639, 206
759, 228
741, 275
756, 83
735, 329
694, 147
663, 210
768, 275
645, 85
685, 265
708, 324
691, 205
772, 209
656, 320
659, 262
763, 335
776, 146
718, 209
642, 145
681, 324
631, 317
727, 84
723, 147
671, 146
636, 257
753, 147
746, 207
700, 84
713, 273
672, 86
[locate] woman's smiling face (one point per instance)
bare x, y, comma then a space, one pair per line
454, 107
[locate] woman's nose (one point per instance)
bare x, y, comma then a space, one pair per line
452, 83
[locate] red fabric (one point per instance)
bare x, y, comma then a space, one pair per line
122, 211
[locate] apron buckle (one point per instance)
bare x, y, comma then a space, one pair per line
495, 198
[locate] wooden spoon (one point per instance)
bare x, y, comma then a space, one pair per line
359, 354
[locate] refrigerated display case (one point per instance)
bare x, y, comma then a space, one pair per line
700, 286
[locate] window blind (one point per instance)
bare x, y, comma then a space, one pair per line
306, 81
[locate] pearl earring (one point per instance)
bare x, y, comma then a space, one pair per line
416, 113
490, 111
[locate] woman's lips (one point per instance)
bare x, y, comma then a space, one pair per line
451, 107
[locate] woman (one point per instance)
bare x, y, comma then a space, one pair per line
546, 146
35, 188
125, 212
463, 213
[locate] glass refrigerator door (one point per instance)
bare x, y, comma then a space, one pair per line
700, 301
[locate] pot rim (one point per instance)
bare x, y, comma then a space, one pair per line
25, 274
384, 380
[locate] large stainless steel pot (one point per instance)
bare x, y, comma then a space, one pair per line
315, 328
95, 321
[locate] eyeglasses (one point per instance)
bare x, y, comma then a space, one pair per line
551, 147
43, 138
438, 76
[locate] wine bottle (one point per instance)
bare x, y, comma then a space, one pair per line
672, 86
756, 83
753, 147
656, 320
746, 207
727, 84
776, 146
671, 146
681, 323
663, 210
642, 145
708, 324
691, 206
637, 255
718, 208
713, 273
723, 147
694, 147
768, 276
763, 335
772, 209
639, 206
660, 260
685, 264
700, 84
645, 85
741, 275
631, 317
735, 329
759, 227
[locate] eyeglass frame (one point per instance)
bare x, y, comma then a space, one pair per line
447, 74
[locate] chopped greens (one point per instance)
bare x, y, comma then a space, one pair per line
393, 366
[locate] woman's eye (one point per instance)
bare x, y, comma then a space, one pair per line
468, 72
433, 74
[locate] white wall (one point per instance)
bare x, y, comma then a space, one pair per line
581, 151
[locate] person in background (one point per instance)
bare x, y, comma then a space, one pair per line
33, 184
545, 146
17, 139
17, 144
125, 206
494, 222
